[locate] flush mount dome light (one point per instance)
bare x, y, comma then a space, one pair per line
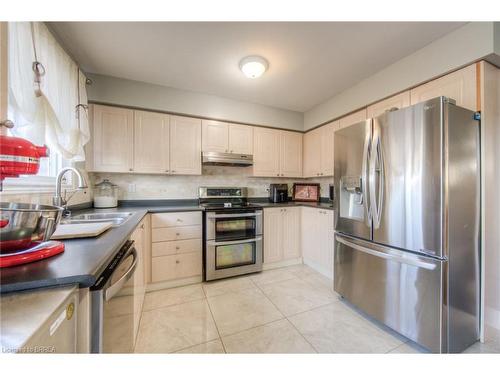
253, 66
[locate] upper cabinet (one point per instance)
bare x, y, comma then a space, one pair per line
318, 151
353, 118
394, 102
185, 145
112, 139
460, 86
123, 140
277, 153
151, 140
221, 136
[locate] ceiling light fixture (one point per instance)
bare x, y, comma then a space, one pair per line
253, 66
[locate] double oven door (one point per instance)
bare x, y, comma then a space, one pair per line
233, 243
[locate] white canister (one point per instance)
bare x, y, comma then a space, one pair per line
105, 194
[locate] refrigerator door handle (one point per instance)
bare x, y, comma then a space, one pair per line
376, 178
383, 252
365, 178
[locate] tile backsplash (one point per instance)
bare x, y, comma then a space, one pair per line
139, 186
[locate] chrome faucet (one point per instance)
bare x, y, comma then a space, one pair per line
58, 199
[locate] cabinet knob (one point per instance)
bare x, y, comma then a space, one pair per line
278, 175
179, 220
226, 150
321, 173
142, 226
177, 234
173, 171
177, 261
177, 248
282, 175
131, 169
166, 170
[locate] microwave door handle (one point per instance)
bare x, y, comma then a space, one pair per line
114, 288
222, 243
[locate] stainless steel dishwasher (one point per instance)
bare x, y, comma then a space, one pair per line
113, 299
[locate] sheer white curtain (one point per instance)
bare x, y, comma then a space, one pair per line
56, 116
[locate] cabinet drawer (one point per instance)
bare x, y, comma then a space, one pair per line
175, 247
176, 233
178, 266
176, 219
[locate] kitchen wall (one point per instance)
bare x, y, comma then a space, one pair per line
186, 187
467, 44
126, 92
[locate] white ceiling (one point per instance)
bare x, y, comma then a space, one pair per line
308, 62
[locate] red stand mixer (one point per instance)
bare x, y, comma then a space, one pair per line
25, 229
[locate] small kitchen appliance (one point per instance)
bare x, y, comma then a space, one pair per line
25, 230
278, 193
19, 156
232, 233
105, 194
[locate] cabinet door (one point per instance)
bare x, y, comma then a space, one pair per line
151, 142
312, 153
241, 139
309, 237
273, 235
113, 142
185, 145
394, 102
291, 154
327, 149
215, 136
353, 118
266, 155
325, 258
459, 85
291, 233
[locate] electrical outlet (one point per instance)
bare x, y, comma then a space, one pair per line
131, 188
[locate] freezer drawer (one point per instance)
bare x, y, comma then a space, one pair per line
400, 289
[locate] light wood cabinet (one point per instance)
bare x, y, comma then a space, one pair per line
460, 86
318, 151
221, 136
317, 239
398, 101
176, 251
281, 234
185, 145
353, 118
151, 142
277, 153
266, 152
291, 154
139, 236
112, 139
240, 139
215, 136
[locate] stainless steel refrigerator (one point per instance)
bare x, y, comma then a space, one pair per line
408, 222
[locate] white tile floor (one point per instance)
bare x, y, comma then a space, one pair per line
287, 310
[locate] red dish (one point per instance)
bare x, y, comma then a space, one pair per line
41, 251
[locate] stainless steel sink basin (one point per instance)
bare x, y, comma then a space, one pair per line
117, 218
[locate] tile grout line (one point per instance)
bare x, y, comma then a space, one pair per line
213, 318
288, 320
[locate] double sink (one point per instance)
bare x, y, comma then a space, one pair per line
116, 218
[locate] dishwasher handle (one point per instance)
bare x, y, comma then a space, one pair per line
114, 288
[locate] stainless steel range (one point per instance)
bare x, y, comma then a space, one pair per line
232, 232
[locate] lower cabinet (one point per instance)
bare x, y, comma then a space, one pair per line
176, 249
318, 240
281, 234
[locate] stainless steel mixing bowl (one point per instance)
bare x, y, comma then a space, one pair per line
22, 225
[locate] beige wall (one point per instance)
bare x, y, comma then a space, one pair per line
456, 49
149, 96
186, 187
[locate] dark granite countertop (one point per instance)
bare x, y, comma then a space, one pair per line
85, 258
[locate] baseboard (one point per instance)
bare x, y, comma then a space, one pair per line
173, 283
283, 263
492, 317
320, 268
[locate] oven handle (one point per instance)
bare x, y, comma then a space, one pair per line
221, 243
223, 216
113, 289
